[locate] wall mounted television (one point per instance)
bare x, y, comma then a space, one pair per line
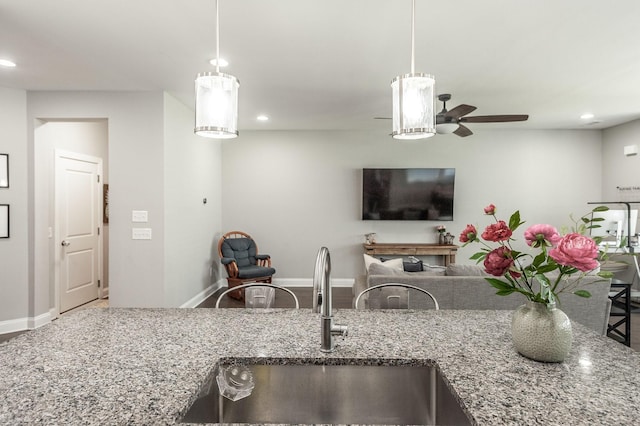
408, 194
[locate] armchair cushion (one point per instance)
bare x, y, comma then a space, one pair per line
243, 250
262, 256
227, 260
253, 271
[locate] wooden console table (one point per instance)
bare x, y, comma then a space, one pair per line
446, 251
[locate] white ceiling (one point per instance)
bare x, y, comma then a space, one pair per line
328, 64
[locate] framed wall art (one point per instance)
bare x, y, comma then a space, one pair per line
4, 220
105, 203
4, 170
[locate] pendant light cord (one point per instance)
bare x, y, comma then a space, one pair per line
218, 39
413, 37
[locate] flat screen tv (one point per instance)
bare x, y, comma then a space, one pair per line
407, 194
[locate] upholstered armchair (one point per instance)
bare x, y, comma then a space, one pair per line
239, 254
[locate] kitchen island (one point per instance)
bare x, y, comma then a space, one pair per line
146, 366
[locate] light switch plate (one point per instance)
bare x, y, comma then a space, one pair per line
139, 216
140, 233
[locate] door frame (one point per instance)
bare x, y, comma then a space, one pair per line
58, 154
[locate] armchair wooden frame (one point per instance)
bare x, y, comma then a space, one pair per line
233, 279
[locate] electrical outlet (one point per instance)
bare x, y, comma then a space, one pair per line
140, 233
139, 216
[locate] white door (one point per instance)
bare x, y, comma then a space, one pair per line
78, 196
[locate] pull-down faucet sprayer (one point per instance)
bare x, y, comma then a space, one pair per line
322, 301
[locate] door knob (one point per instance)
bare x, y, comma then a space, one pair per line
65, 243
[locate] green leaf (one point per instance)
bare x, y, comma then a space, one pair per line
597, 219
514, 220
543, 279
539, 259
544, 269
600, 209
478, 255
605, 274
582, 293
505, 292
499, 284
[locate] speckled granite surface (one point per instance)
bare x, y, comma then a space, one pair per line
145, 366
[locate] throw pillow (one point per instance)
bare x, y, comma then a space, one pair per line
392, 263
456, 270
382, 269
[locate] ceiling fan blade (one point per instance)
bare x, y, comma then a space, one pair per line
459, 111
463, 131
493, 118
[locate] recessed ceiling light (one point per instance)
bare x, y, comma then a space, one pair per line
262, 117
7, 63
587, 116
223, 62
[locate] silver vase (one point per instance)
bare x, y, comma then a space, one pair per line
541, 332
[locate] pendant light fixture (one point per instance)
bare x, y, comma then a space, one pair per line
413, 99
216, 100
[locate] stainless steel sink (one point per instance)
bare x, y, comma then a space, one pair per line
343, 394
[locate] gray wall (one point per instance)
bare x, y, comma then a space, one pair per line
192, 167
136, 182
14, 289
297, 191
621, 171
88, 137
294, 191
152, 167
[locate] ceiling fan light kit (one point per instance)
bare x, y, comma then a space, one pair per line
446, 128
413, 99
216, 100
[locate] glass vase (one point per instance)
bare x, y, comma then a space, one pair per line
541, 332
441, 238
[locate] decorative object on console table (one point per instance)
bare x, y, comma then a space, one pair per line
370, 238
441, 230
539, 330
448, 239
448, 252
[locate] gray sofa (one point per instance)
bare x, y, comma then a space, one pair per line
465, 287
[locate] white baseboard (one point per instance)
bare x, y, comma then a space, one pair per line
308, 282
40, 320
27, 323
10, 326
202, 296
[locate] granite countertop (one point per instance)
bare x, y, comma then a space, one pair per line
145, 366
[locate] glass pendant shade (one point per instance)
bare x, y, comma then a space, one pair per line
413, 106
216, 105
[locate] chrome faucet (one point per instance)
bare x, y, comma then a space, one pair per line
322, 301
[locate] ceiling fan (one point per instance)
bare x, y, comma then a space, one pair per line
451, 121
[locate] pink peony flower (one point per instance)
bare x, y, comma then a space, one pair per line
468, 234
490, 209
576, 250
539, 235
498, 261
498, 231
